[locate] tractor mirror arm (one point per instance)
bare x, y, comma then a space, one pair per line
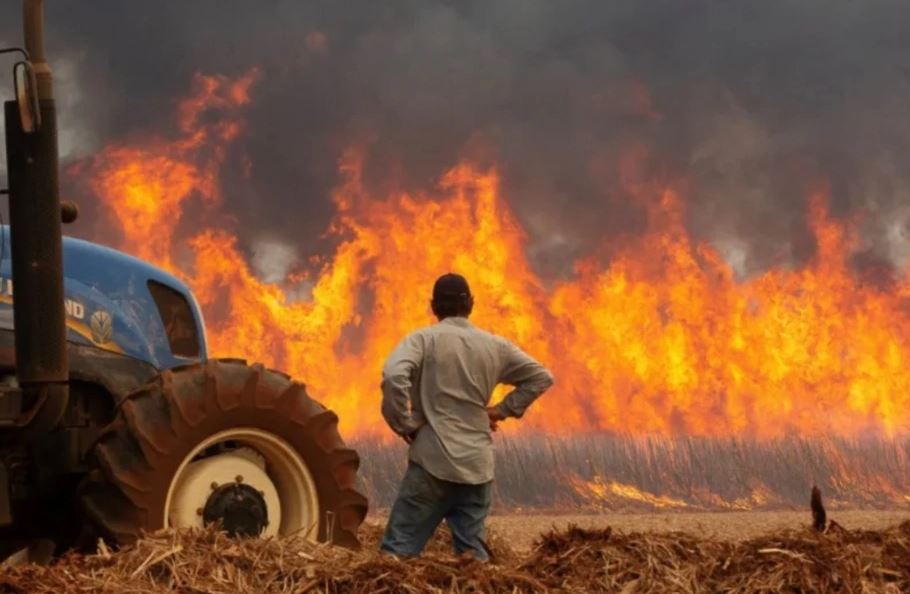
26, 87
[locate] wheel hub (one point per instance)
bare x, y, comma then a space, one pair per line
240, 509
227, 487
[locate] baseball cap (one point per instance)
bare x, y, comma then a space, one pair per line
450, 286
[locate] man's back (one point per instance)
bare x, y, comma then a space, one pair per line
449, 371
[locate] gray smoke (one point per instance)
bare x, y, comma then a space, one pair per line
752, 104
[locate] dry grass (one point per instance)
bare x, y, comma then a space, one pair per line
609, 473
575, 560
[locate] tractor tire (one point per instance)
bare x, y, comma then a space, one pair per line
163, 440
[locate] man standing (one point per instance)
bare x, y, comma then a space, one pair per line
436, 389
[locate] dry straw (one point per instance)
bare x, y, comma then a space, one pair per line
575, 560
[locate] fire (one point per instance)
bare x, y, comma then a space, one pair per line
686, 349
146, 186
604, 494
661, 339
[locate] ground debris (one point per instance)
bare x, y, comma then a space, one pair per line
569, 561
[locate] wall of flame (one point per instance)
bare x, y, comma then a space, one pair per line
663, 339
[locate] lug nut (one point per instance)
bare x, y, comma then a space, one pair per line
214, 485
198, 511
239, 478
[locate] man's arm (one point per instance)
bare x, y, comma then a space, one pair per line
397, 379
530, 378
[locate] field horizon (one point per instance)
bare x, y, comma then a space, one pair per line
523, 528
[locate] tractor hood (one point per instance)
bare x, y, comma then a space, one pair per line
119, 303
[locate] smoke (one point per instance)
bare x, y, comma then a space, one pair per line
748, 107
272, 261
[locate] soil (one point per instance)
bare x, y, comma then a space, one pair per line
522, 529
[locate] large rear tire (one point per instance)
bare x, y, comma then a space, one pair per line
206, 423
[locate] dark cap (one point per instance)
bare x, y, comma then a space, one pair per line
450, 286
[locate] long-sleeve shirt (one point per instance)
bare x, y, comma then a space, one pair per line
436, 387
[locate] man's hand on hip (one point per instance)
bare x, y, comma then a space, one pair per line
495, 417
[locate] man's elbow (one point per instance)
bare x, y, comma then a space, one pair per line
548, 380
540, 383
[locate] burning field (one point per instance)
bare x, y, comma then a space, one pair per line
663, 339
681, 384
710, 250
694, 214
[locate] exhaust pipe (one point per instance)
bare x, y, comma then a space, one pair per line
42, 367
34, 45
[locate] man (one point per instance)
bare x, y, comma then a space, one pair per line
436, 389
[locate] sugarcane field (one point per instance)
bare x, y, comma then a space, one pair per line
475, 296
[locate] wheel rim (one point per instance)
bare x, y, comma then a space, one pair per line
262, 460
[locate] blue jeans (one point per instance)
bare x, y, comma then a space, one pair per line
424, 501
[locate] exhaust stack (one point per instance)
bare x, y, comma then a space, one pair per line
37, 245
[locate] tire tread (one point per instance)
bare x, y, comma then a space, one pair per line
118, 496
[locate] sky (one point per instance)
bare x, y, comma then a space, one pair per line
744, 106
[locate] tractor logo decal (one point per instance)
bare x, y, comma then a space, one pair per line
102, 326
99, 329
74, 308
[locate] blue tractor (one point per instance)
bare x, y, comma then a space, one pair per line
113, 419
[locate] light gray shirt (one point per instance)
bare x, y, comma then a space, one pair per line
438, 383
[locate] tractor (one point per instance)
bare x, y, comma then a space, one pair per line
114, 421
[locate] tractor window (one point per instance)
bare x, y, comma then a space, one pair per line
177, 318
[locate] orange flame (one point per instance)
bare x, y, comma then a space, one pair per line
662, 340
147, 186
605, 494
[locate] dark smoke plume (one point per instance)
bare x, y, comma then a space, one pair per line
749, 104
